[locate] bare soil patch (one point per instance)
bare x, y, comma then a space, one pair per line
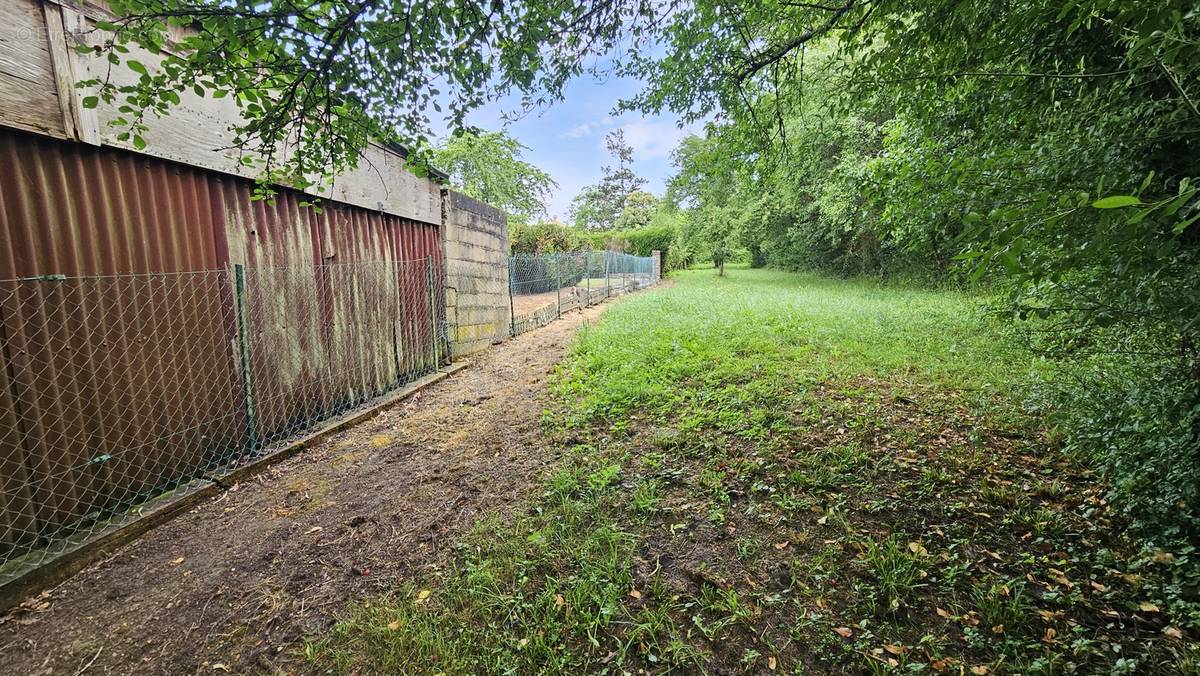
235, 584
523, 305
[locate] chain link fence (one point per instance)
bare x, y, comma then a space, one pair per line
543, 286
121, 392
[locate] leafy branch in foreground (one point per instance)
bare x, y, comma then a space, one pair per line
316, 81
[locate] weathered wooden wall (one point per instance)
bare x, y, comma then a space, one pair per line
39, 67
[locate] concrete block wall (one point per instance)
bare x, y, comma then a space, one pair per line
476, 245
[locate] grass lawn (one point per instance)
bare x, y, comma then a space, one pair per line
779, 472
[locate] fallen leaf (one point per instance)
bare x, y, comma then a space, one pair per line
176, 562
1048, 637
943, 613
423, 596
559, 601
771, 663
635, 594
998, 629
918, 548
522, 643
1162, 557
1099, 587
938, 665
1147, 607
394, 625
844, 632
1173, 632
782, 545
980, 670
894, 649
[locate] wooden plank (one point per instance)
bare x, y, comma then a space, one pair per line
28, 94
60, 62
87, 123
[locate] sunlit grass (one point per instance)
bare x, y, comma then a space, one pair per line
763, 328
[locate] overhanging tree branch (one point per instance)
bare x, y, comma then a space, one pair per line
773, 54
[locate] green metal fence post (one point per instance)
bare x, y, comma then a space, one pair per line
512, 313
607, 276
587, 273
558, 281
239, 275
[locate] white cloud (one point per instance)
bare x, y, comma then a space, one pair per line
652, 139
587, 128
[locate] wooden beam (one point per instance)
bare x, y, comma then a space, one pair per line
60, 59
70, 23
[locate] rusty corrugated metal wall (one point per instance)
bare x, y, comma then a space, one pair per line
127, 376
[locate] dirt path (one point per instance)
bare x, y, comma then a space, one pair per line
236, 583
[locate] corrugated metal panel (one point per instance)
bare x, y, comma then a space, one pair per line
121, 380
104, 406
342, 290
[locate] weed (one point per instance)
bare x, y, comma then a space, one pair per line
897, 570
1001, 605
646, 496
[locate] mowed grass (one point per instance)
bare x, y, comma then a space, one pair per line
771, 472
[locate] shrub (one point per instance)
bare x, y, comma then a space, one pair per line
544, 237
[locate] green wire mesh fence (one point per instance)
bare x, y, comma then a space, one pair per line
543, 286
121, 392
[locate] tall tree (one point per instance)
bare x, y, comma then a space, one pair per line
597, 207
638, 212
489, 167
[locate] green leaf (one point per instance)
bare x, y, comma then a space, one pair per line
1116, 202
1183, 225
90, 101
137, 67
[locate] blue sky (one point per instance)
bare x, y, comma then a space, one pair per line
567, 139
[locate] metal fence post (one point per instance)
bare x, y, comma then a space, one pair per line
587, 275
558, 281
239, 275
512, 313
607, 276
